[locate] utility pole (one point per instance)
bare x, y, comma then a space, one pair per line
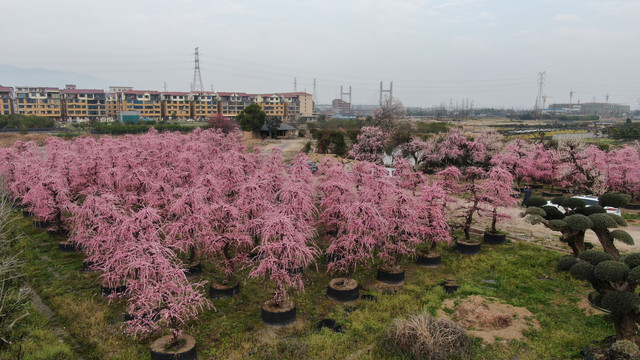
390, 91
606, 98
196, 85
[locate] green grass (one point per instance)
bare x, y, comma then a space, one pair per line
525, 276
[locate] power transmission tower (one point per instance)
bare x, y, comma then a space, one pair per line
196, 85
390, 91
606, 98
315, 92
571, 98
342, 93
539, 98
295, 84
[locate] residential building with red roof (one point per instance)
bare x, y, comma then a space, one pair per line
6, 100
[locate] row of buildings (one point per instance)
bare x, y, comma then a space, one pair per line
72, 104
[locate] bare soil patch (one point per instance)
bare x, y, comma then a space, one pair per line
489, 319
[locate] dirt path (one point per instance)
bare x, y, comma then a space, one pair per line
517, 226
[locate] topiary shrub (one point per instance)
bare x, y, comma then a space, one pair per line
613, 200
559, 200
578, 222
552, 213
602, 221
625, 349
623, 236
616, 287
424, 337
590, 210
612, 271
566, 262
595, 257
535, 201
573, 204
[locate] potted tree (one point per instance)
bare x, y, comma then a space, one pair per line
495, 192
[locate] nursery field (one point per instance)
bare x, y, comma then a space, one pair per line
519, 274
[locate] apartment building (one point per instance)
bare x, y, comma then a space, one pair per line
203, 104
272, 104
6, 100
39, 101
232, 104
176, 105
300, 104
147, 103
83, 104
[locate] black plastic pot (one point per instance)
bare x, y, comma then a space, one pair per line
632, 206
278, 318
494, 239
187, 352
468, 248
86, 266
342, 295
41, 224
193, 270
388, 277
106, 291
551, 194
330, 324
227, 292
594, 299
428, 261
450, 286
58, 233
69, 247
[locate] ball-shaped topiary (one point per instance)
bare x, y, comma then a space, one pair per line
596, 209
632, 260
622, 236
620, 302
594, 257
552, 213
535, 201
611, 270
566, 262
574, 203
634, 275
559, 200
618, 219
557, 225
602, 221
582, 270
578, 222
613, 200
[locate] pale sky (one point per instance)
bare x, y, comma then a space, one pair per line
434, 51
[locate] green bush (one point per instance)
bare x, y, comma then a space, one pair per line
552, 213
595, 257
622, 236
634, 275
566, 262
620, 302
535, 201
611, 270
574, 203
613, 200
590, 210
632, 260
578, 222
602, 221
582, 270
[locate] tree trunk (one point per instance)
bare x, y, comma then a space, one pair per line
494, 219
576, 242
627, 328
605, 238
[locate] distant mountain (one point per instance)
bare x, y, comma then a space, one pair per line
17, 76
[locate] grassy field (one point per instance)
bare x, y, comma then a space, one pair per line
524, 276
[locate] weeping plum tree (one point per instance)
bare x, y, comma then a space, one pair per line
369, 145
495, 191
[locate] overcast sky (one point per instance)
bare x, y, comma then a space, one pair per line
434, 51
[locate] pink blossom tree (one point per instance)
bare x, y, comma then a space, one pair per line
495, 192
369, 145
623, 170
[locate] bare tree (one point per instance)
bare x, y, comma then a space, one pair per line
389, 114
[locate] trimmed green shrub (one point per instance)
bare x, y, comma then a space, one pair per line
578, 222
620, 302
602, 221
590, 210
632, 260
634, 275
613, 200
595, 257
582, 270
566, 262
552, 213
535, 201
612, 270
622, 236
574, 203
